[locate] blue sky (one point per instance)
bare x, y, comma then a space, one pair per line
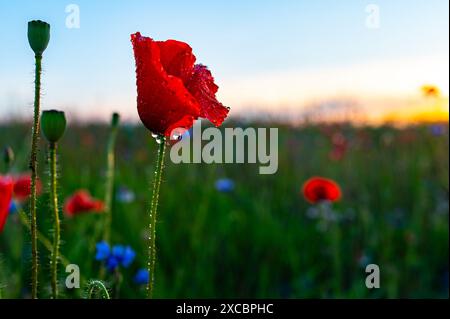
251, 47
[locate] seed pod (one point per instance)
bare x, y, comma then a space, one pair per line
115, 119
53, 124
38, 36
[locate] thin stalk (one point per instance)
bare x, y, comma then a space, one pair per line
57, 228
109, 184
337, 259
118, 283
153, 212
42, 239
46, 242
33, 167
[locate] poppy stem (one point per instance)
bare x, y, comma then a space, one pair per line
33, 167
57, 229
46, 243
153, 211
109, 183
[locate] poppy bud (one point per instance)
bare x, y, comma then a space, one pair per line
53, 124
8, 155
38, 36
115, 119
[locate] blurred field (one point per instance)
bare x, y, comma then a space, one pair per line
259, 240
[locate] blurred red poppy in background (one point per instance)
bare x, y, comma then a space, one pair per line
172, 92
6, 191
317, 189
22, 187
339, 146
82, 202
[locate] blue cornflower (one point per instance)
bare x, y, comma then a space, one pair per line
118, 255
224, 185
103, 250
13, 207
112, 263
117, 251
128, 256
437, 129
125, 195
124, 255
142, 277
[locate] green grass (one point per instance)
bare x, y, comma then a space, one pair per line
257, 241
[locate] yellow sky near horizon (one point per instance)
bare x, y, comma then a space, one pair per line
386, 90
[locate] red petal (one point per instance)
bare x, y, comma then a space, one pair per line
202, 87
68, 208
163, 101
22, 187
98, 206
81, 202
318, 188
6, 191
177, 58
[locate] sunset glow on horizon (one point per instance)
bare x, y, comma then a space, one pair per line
383, 91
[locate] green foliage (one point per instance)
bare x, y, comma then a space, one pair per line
257, 241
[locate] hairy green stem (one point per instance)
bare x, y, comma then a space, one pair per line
153, 211
92, 285
33, 168
42, 239
45, 241
57, 228
109, 184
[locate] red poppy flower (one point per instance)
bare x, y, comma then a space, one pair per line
82, 202
22, 187
6, 191
318, 189
172, 92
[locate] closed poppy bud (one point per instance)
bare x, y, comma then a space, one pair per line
53, 124
115, 119
38, 36
8, 155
